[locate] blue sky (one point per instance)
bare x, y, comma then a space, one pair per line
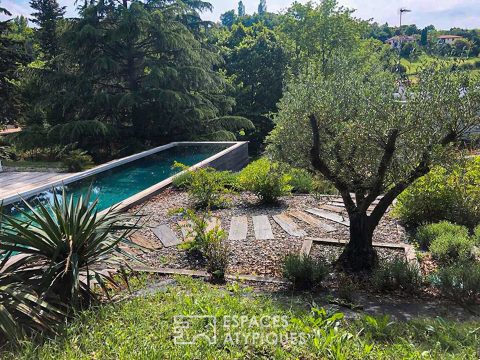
444, 14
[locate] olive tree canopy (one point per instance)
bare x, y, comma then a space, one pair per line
349, 126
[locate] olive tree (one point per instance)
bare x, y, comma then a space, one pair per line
349, 126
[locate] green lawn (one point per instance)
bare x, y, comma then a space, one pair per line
142, 328
424, 59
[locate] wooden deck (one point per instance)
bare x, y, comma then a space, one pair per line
12, 183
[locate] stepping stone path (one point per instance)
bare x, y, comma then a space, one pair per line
333, 208
288, 225
186, 227
166, 236
312, 221
238, 228
329, 216
306, 247
262, 227
143, 242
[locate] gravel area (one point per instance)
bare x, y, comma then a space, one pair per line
251, 256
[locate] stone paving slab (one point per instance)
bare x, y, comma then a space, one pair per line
238, 228
288, 225
262, 227
329, 216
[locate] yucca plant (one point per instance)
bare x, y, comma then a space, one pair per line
22, 309
69, 249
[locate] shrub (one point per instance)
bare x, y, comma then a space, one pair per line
206, 186
476, 235
65, 245
443, 194
216, 254
322, 186
76, 160
23, 311
427, 233
266, 179
301, 181
303, 271
207, 244
460, 283
448, 248
397, 274
195, 238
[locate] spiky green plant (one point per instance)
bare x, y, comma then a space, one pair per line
69, 249
22, 309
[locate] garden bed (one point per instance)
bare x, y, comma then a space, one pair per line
252, 256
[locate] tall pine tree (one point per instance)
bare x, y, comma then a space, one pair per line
12, 56
48, 14
241, 9
137, 75
262, 7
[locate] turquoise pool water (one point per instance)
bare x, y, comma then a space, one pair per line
117, 184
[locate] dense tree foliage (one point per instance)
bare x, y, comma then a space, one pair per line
348, 126
127, 75
132, 75
47, 15
12, 55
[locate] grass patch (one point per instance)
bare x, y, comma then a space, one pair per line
424, 60
142, 328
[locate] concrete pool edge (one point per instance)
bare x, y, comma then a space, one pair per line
241, 148
236, 149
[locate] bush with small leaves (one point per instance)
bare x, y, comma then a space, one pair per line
206, 186
266, 179
449, 194
397, 274
427, 233
216, 252
449, 248
77, 160
302, 181
304, 272
460, 282
476, 235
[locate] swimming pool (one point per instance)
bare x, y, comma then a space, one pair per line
133, 179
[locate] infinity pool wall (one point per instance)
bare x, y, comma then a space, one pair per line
132, 180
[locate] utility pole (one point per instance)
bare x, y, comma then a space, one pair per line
403, 10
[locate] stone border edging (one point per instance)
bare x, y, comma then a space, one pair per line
204, 274
407, 248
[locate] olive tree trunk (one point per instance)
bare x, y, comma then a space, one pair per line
359, 253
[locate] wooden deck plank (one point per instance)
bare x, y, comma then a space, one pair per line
306, 247
166, 235
333, 208
12, 183
262, 227
312, 221
138, 239
288, 225
238, 228
329, 216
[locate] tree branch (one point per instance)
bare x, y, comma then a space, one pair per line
318, 163
385, 162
